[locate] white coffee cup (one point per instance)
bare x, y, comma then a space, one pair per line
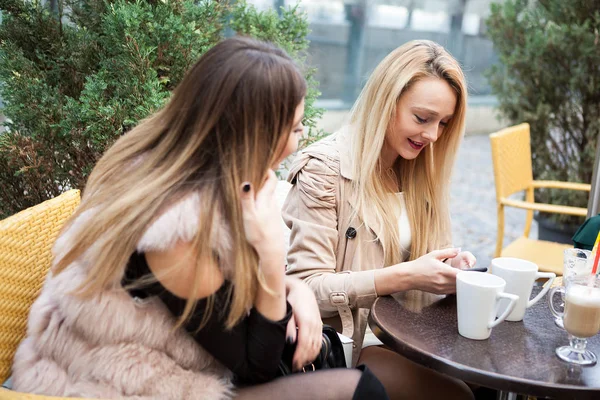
477, 298
519, 276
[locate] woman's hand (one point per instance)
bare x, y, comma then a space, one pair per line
262, 223
307, 319
463, 260
430, 274
263, 229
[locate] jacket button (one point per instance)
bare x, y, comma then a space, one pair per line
351, 233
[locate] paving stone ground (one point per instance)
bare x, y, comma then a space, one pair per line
473, 203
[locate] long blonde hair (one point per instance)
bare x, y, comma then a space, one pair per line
425, 180
224, 125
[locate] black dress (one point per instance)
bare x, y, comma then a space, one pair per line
251, 350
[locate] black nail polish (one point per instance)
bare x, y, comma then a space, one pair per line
289, 340
246, 188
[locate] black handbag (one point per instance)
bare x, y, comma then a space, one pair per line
330, 356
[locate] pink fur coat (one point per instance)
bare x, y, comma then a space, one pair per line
113, 346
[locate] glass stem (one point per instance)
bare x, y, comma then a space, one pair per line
577, 344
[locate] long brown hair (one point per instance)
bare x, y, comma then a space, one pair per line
223, 126
425, 180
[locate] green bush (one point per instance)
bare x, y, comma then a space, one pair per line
549, 76
75, 79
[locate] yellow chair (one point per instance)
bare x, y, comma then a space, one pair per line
511, 155
26, 241
10, 395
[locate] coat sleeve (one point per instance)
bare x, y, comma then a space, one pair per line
311, 214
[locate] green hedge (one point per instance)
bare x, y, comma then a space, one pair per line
549, 76
76, 78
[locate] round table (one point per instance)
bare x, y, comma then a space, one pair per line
518, 357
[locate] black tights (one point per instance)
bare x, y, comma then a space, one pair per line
330, 384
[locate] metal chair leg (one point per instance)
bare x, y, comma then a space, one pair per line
506, 396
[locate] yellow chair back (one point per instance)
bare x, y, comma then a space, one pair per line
6, 394
26, 240
511, 155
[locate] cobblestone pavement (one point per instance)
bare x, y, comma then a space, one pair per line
473, 203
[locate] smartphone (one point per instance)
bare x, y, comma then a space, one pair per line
477, 269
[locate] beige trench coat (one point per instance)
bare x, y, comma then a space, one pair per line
331, 251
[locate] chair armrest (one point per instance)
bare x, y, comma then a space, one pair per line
562, 185
549, 208
10, 395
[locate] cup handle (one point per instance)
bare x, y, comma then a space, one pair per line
559, 289
513, 301
547, 286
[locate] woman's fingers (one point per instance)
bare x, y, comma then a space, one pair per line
443, 279
443, 254
262, 225
308, 320
290, 335
247, 198
267, 191
308, 345
471, 260
250, 200
464, 260
248, 210
302, 348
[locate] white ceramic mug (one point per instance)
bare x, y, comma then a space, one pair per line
519, 276
477, 300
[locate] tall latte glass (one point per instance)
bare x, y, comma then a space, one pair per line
581, 317
575, 263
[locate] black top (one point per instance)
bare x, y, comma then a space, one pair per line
251, 350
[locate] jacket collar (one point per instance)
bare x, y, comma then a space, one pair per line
338, 144
344, 144
343, 138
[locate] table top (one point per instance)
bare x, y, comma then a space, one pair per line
518, 357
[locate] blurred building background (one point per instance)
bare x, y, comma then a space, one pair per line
350, 37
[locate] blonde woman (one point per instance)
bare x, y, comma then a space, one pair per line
169, 281
375, 195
